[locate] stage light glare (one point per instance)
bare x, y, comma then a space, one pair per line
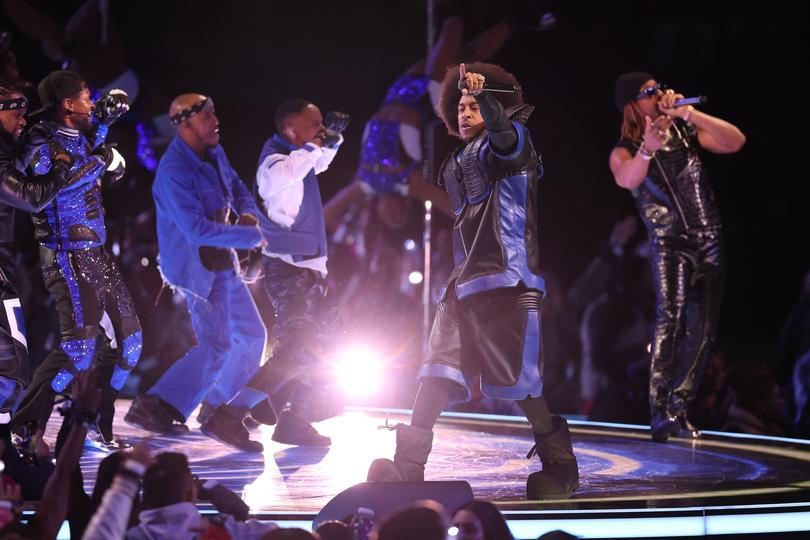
359, 370
415, 278
410, 244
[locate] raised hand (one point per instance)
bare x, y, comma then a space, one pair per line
471, 84
337, 121
667, 104
111, 106
328, 137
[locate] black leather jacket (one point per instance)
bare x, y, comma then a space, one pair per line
494, 196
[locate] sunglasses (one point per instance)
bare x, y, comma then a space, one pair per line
650, 91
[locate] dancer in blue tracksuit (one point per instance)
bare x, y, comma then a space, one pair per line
89, 291
204, 212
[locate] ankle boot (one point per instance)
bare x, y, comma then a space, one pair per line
560, 475
225, 425
413, 447
663, 425
687, 429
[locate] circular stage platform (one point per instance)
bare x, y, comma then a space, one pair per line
629, 486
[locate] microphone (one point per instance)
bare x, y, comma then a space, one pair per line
494, 87
686, 101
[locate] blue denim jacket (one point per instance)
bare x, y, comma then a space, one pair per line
188, 192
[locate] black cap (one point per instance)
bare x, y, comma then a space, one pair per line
58, 85
627, 87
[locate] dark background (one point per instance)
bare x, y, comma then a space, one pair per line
750, 61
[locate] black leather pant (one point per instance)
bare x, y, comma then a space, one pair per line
86, 285
303, 315
688, 273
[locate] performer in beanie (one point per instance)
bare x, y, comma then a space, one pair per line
17, 191
89, 292
658, 158
488, 322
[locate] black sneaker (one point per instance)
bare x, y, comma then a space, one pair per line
291, 429
225, 425
150, 413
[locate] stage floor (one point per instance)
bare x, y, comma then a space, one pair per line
622, 472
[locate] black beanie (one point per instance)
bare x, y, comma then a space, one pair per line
627, 87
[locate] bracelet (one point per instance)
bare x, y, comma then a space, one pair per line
646, 155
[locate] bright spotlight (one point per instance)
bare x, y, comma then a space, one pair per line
415, 278
410, 244
359, 370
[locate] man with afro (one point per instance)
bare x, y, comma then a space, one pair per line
488, 321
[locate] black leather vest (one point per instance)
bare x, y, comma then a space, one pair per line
676, 196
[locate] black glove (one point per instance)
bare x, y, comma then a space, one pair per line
337, 121
111, 106
114, 162
329, 138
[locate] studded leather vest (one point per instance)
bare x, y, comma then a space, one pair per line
676, 196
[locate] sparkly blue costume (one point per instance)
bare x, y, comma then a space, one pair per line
87, 286
384, 166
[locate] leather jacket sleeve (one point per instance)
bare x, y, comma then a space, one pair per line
30, 193
502, 133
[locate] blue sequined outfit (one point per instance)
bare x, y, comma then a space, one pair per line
75, 219
89, 291
384, 166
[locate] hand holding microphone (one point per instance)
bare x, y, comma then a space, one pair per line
337, 121
672, 104
111, 106
471, 84
477, 82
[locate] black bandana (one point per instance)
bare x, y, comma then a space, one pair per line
188, 112
13, 104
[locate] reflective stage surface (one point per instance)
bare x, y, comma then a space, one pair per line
622, 473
